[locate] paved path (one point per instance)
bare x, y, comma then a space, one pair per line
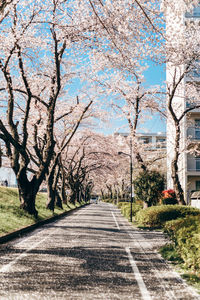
91, 254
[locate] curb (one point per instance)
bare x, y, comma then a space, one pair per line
22, 231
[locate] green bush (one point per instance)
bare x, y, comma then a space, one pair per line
156, 216
126, 209
186, 235
148, 187
168, 197
170, 227
169, 201
108, 200
120, 204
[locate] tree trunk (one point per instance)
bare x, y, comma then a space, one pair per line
51, 197
72, 198
58, 200
52, 182
174, 167
176, 183
27, 193
63, 195
63, 188
102, 195
28, 197
79, 195
1, 154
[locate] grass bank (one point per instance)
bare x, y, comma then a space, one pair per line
12, 217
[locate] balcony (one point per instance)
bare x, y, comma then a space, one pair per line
161, 145
195, 13
154, 146
193, 133
193, 165
190, 104
193, 76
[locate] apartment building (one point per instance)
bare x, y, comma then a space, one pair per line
153, 141
153, 148
189, 163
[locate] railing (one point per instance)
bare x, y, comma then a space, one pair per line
154, 146
193, 104
193, 76
193, 133
193, 14
193, 164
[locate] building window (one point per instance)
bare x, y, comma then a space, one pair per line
195, 72
160, 140
145, 140
160, 143
197, 159
197, 129
198, 185
195, 13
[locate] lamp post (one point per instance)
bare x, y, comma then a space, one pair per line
131, 176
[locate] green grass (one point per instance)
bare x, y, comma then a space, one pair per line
12, 217
169, 253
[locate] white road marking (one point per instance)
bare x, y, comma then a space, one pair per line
115, 221
138, 276
170, 294
7, 267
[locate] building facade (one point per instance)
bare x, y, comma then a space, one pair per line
153, 141
153, 149
189, 161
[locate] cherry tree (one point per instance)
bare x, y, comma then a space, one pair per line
64, 133
37, 41
88, 159
112, 59
4, 8
120, 58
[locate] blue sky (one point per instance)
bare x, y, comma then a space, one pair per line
155, 75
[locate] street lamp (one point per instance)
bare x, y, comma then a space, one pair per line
131, 176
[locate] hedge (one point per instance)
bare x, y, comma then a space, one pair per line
186, 235
156, 216
121, 204
126, 209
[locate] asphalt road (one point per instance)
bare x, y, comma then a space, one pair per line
91, 254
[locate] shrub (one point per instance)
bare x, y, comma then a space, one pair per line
156, 216
170, 227
169, 252
108, 200
186, 235
168, 193
126, 209
120, 204
169, 201
168, 197
148, 187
